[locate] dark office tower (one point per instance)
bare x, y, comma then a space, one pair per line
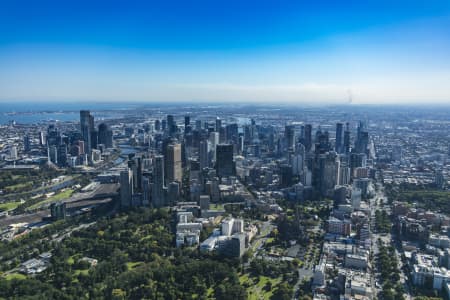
224, 160
218, 124
339, 138
62, 155
163, 125
285, 175
170, 121
157, 125
302, 133
347, 138
232, 133
328, 171
241, 146
158, 197
126, 188
362, 139
222, 135
105, 135
26, 143
173, 164
86, 126
171, 125
94, 139
308, 137
187, 121
204, 154
289, 137
322, 141
53, 137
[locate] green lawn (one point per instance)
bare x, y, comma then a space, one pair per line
60, 196
19, 186
257, 291
15, 276
8, 205
133, 264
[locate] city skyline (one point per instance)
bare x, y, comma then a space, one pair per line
293, 52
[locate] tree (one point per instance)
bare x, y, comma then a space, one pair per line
283, 292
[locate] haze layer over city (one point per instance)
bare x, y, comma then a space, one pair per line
225, 150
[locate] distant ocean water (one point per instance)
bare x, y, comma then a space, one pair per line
35, 112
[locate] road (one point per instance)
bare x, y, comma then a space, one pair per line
380, 202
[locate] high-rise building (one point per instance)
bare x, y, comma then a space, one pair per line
213, 141
218, 124
26, 143
173, 193
62, 155
58, 210
204, 154
42, 138
157, 125
338, 147
173, 164
289, 136
94, 138
328, 176
362, 139
158, 196
308, 137
232, 133
347, 139
171, 125
224, 160
126, 188
86, 126
105, 136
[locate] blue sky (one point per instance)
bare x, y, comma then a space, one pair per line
249, 51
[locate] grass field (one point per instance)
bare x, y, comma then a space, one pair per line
60, 196
256, 289
15, 276
8, 205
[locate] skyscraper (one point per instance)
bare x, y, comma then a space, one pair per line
218, 124
362, 139
105, 135
26, 143
86, 126
158, 196
126, 188
347, 138
308, 137
224, 160
173, 163
289, 136
204, 154
339, 137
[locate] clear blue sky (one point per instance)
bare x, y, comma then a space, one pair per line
291, 51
